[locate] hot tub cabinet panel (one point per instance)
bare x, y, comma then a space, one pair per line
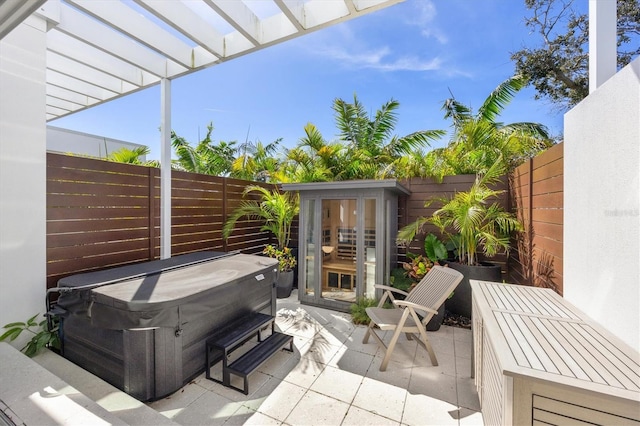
539, 360
145, 333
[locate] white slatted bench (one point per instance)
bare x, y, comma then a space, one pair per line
537, 360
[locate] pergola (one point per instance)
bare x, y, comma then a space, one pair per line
99, 50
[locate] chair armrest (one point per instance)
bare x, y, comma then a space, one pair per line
401, 303
388, 294
392, 289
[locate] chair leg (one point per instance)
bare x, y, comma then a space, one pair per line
428, 347
365, 339
392, 344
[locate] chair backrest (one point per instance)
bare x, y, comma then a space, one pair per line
435, 287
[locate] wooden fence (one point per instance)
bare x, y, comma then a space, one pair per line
537, 199
102, 214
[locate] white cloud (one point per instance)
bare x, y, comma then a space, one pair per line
425, 19
379, 60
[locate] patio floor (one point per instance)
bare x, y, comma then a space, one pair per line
330, 379
334, 379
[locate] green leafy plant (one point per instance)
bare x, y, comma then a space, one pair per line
477, 224
42, 336
418, 267
275, 208
358, 310
286, 261
400, 280
434, 248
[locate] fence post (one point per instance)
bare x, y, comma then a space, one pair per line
531, 230
224, 211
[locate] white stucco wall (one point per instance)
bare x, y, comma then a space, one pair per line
601, 205
70, 141
22, 172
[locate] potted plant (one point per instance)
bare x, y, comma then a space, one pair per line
277, 210
286, 263
475, 224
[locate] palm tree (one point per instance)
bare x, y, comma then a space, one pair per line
366, 147
132, 156
204, 158
479, 140
371, 146
275, 208
257, 161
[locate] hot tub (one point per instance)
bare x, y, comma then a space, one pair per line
143, 327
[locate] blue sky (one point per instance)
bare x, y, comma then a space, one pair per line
416, 52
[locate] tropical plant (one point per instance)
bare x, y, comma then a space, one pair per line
257, 162
478, 140
275, 208
366, 147
477, 223
284, 256
418, 267
435, 249
132, 156
42, 336
206, 157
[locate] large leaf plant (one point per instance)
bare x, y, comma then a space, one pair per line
472, 219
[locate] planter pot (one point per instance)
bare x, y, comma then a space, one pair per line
436, 321
460, 303
284, 284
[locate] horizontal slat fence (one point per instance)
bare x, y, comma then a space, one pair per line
537, 199
102, 214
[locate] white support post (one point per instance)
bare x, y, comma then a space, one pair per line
602, 42
165, 171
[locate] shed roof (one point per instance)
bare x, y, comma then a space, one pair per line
389, 184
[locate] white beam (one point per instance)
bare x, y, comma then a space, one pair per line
13, 12
114, 43
239, 17
73, 48
61, 80
69, 96
165, 168
294, 11
187, 22
602, 42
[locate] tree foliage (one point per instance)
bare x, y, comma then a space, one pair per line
558, 67
478, 140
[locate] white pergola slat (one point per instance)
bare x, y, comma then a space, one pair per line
103, 49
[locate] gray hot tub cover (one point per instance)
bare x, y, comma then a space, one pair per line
164, 293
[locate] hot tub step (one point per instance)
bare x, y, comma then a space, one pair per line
257, 356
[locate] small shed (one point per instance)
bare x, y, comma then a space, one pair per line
347, 233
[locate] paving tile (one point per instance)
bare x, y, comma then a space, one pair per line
467, 394
179, 400
317, 409
381, 398
463, 367
463, 349
462, 334
435, 385
352, 361
258, 419
321, 350
337, 384
354, 342
470, 418
357, 416
446, 362
209, 409
304, 373
280, 401
424, 410
397, 374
